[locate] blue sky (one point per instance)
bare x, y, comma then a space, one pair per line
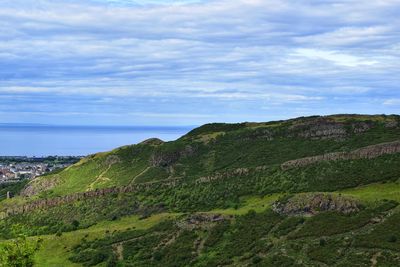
134, 62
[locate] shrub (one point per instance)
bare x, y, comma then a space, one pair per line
392, 239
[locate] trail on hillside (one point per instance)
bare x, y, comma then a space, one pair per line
141, 173
100, 178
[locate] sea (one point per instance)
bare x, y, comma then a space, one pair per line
51, 140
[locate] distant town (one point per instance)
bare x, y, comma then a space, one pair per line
16, 169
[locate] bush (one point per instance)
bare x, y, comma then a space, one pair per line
392, 239
256, 259
75, 224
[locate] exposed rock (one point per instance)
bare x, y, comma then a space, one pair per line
361, 127
376, 220
319, 128
40, 184
227, 174
197, 221
314, 203
368, 152
328, 128
167, 159
160, 159
261, 133
112, 159
392, 124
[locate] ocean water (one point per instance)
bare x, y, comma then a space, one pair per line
43, 140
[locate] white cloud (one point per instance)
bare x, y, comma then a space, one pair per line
350, 36
392, 102
335, 57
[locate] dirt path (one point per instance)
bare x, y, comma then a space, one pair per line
100, 178
119, 251
200, 245
374, 259
134, 178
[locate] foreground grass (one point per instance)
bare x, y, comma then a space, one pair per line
55, 250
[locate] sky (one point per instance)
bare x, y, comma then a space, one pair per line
135, 62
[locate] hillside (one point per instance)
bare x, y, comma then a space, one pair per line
311, 191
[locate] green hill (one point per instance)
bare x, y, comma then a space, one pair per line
312, 191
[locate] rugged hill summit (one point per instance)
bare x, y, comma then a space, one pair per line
217, 148
290, 193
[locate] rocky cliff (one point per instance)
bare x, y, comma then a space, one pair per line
368, 152
314, 203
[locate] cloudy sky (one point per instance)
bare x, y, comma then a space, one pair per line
133, 62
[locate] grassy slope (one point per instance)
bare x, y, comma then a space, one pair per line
116, 168
55, 250
217, 147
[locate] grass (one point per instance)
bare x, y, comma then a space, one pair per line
55, 250
375, 192
258, 204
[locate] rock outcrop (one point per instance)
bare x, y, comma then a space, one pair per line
169, 158
40, 184
328, 128
368, 152
222, 175
202, 221
321, 130
314, 203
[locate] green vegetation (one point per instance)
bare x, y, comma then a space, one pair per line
219, 148
332, 223
13, 188
207, 199
18, 252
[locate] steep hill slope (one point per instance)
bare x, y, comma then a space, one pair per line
315, 191
217, 148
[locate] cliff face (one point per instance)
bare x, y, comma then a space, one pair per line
369, 152
327, 128
167, 159
311, 204
319, 129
